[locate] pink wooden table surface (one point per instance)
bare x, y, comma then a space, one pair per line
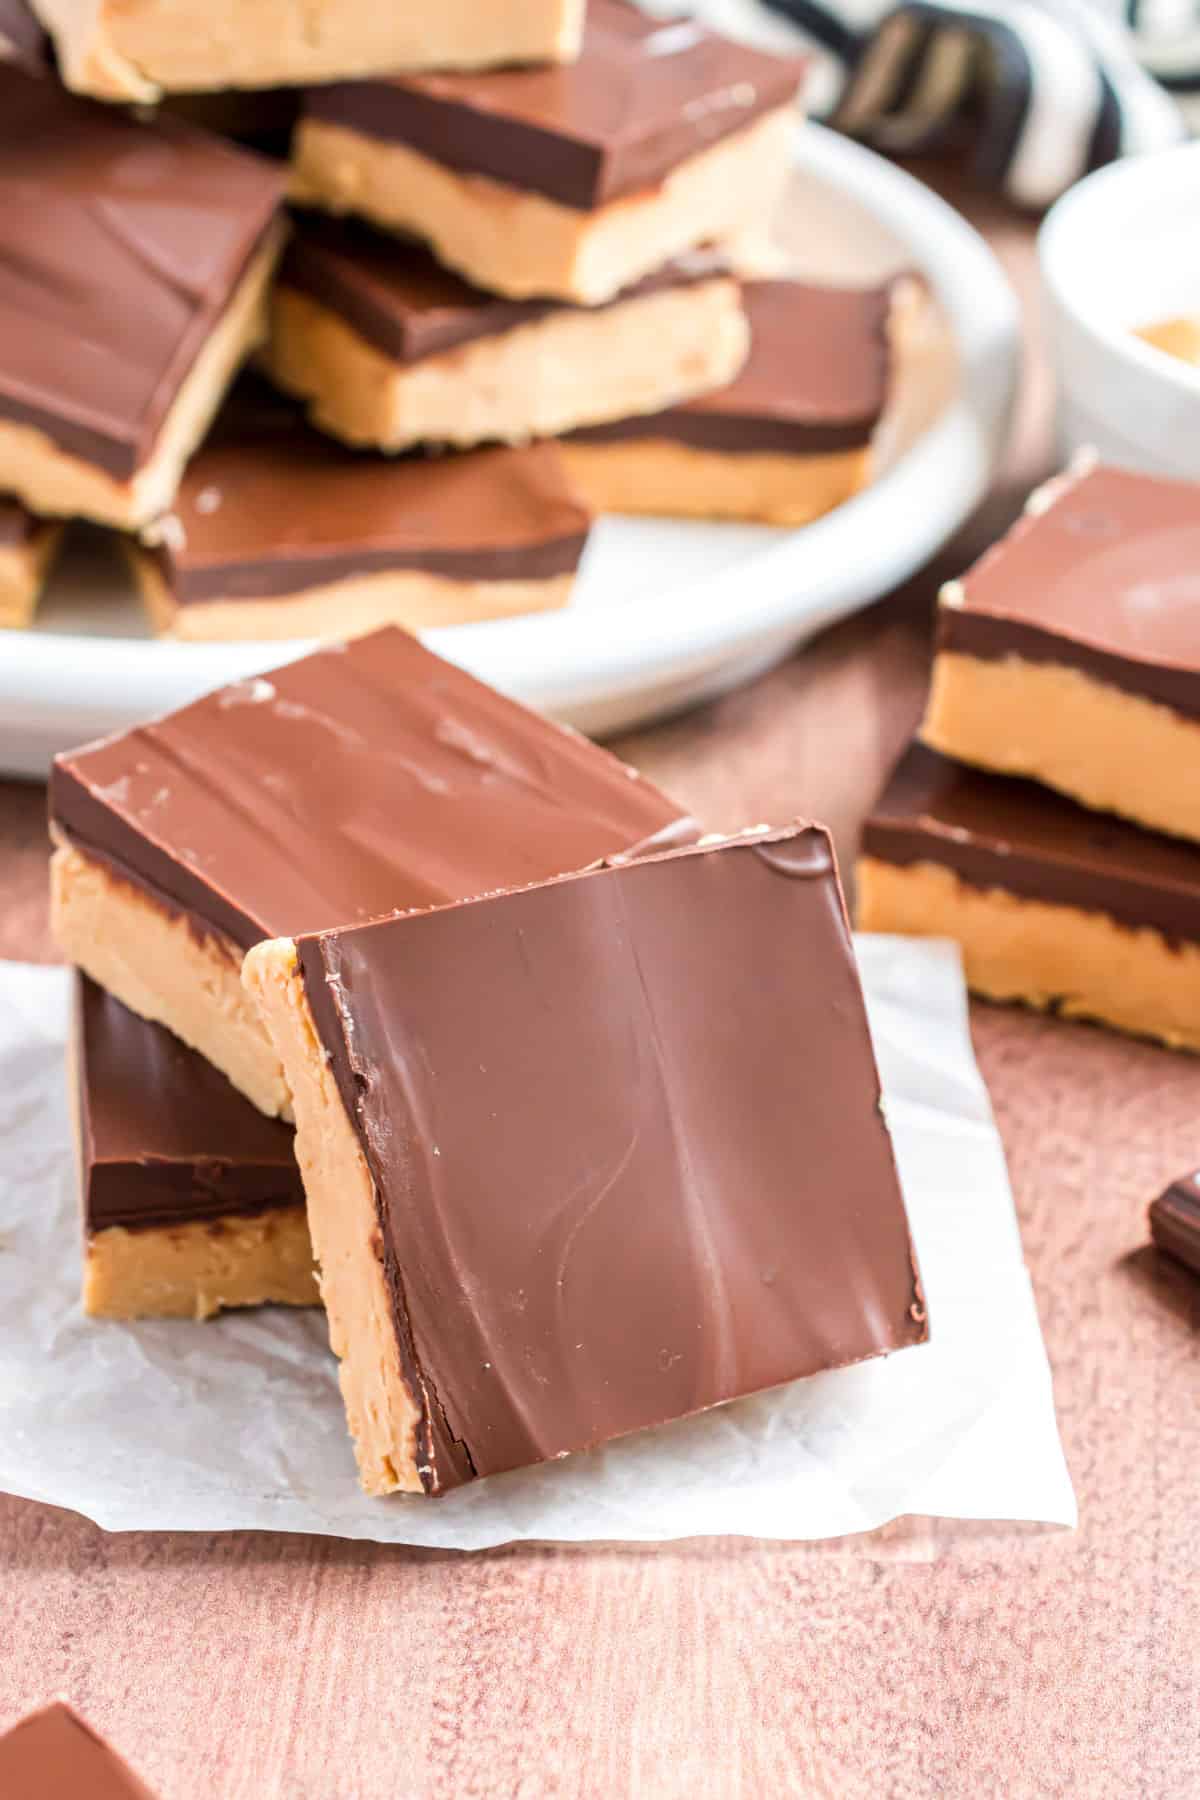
924, 1660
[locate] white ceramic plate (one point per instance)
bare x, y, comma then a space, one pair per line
665, 613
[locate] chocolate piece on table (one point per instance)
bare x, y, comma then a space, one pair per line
357, 781
192, 1200
1065, 909
27, 547
123, 52
572, 182
53, 1755
1175, 1221
1071, 651
133, 283
278, 533
591, 1156
390, 349
22, 40
788, 439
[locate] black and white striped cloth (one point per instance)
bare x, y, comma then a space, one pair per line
1031, 93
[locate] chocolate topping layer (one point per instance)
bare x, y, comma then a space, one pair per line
1106, 580
22, 40
626, 1140
644, 95
994, 831
17, 525
358, 781
816, 378
164, 1138
53, 1755
269, 512
1175, 1221
120, 245
393, 293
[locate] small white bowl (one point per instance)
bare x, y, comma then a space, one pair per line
1119, 251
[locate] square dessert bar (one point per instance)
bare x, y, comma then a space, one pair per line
1071, 651
360, 780
1175, 1221
139, 49
1068, 910
278, 533
53, 1755
27, 547
570, 183
390, 349
133, 283
192, 1200
591, 1156
786, 441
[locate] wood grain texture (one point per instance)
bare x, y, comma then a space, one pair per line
925, 1660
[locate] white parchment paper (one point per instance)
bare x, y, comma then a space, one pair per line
238, 1423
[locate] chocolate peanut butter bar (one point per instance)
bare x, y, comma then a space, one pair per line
27, 547
569, 183
1065, 909
133, 283
1071, 651
53, 1755
1175, 1221
786, 441
590, 1156
192, 1200
360, 780
278, 533
390, 349
139, 49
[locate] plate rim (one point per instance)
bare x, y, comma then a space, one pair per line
787, 591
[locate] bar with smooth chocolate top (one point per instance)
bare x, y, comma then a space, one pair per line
1060, 907
133, 283
571, 181
390, 349
53, 1755
360, 780
1175, 1221
122, 51
279, 533
27, 547
192, 1200
786, 440
191, 1197
1071, 651
591, 1156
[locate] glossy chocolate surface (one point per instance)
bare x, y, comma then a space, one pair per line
815, 381
645, 95
122, 244
627, 1145
395, 296
995, 831
358, 781
1106, 580
1175, 1221
22, 40
164, 1138
53, 1755
271, 508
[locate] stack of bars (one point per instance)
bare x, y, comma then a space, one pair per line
1049, 819
533, 303
588, 1133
